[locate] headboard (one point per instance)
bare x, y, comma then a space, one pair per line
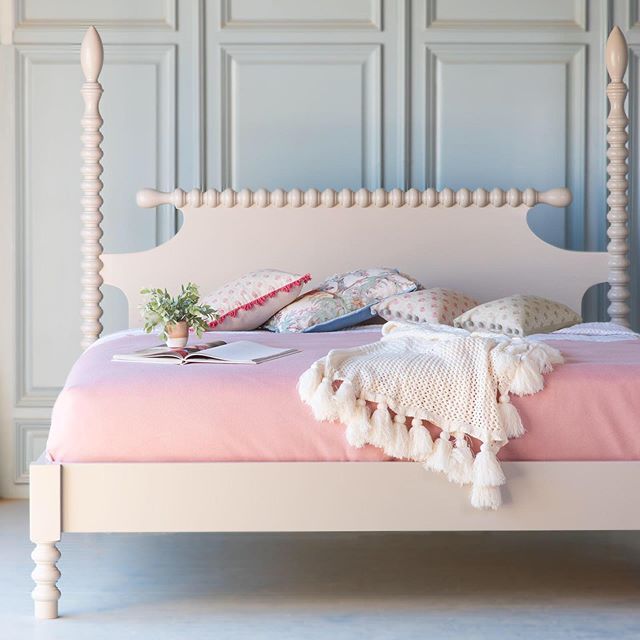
476, 241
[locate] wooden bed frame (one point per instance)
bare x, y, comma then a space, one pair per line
440, 237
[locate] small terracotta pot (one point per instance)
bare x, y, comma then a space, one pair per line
178, 335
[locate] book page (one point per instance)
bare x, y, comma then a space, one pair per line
241, 351
163, 352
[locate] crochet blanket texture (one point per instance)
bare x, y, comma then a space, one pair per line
458, 381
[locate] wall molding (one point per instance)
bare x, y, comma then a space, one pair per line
572, 56
578, 22
374, 23
633, 17
163, 57
367, 55
30, 439
169, 21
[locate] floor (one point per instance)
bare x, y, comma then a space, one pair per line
330, 586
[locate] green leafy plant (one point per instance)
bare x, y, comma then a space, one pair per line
161, 309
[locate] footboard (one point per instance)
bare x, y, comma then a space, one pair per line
309, 496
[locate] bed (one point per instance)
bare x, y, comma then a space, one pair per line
113, 466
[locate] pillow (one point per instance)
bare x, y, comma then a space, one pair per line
428, 305
249, 301
341, 301
518, 315
598, 329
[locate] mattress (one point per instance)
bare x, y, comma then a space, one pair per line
125, 412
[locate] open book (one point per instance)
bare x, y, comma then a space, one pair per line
218, 352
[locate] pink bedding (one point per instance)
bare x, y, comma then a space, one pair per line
122, 412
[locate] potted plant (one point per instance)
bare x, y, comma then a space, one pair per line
175, 315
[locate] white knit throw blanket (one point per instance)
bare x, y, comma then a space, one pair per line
458, 381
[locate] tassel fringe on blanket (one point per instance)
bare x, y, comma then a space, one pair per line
386, 392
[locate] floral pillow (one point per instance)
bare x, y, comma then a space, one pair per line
341, 301
246, 303
436, 305
519, 316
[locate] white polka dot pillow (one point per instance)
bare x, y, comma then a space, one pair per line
428, 305
518, 316
248, 302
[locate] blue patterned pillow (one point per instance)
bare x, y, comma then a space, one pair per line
341, 301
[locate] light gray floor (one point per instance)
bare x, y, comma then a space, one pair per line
426, 586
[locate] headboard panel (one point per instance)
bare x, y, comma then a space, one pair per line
478, 242
487, 251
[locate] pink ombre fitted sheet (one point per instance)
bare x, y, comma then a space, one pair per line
126, 412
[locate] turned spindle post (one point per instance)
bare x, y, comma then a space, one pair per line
91, 56
46, 574
617, 168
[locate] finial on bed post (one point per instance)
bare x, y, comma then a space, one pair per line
617, 168
91, 56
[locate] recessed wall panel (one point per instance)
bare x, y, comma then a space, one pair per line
301, 14
116, 13
488, 124
134, 107
30, 441
481, 14
301, 116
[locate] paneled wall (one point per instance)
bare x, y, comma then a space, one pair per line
286, 93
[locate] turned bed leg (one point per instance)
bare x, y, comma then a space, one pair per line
45, 515
45, 594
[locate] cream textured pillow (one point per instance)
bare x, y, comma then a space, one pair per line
518, 316
249, 301
428, 305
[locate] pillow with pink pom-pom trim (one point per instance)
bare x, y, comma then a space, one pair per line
249, 301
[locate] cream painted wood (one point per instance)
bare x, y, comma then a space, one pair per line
45, 522
46, 574
148, 198
618, 169
340, 496
91, 56
45, 499
489, 239
308, 496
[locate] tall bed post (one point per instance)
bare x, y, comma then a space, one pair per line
617, 168
91, 56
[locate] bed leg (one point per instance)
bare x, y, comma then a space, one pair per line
45, 487
45, 575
